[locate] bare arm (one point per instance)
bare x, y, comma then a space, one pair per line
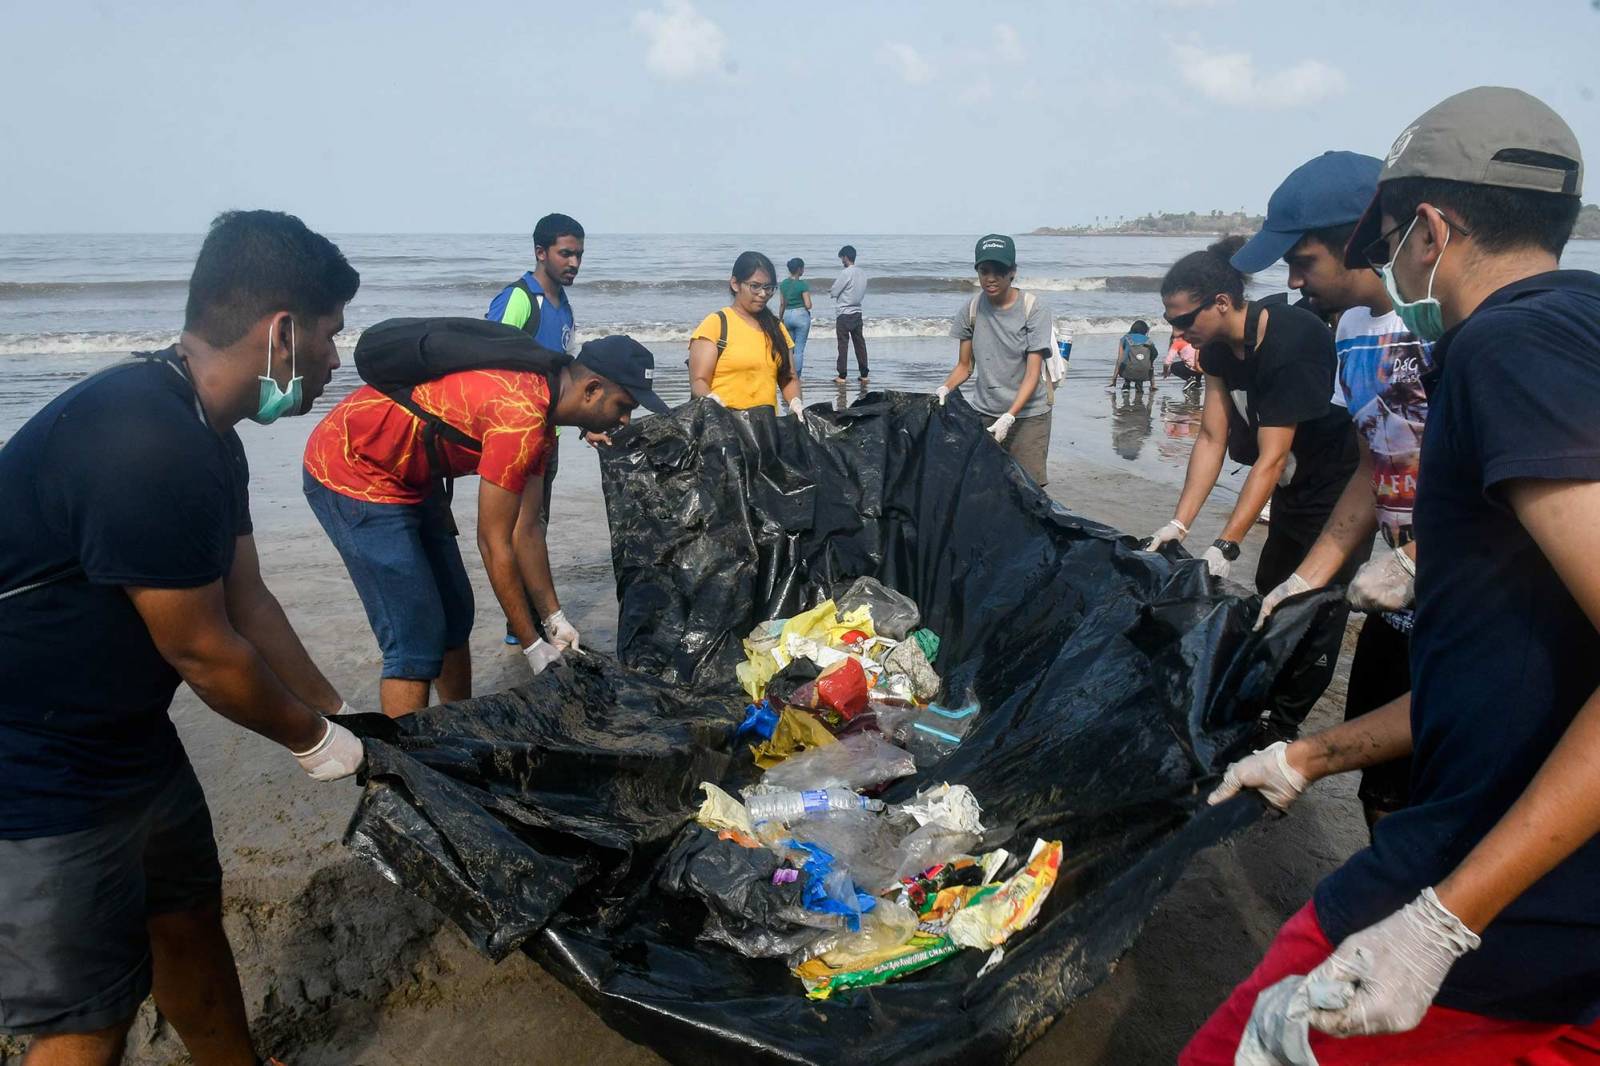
1272, 443
1379, 736
191, 630
511, 541
1351, 525
1559, 811
1030, 382
806, 296
702, 365
1117, 366
257, 616
963, 369
1205, 459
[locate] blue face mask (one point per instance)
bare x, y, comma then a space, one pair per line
1422, 317
274, 402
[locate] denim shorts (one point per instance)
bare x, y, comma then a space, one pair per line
74, 945
406, 566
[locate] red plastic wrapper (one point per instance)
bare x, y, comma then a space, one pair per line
844, 689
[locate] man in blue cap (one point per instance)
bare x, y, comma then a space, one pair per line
1309, 221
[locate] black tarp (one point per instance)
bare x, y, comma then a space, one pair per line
1114, 684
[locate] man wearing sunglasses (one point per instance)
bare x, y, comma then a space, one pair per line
1470, 930
1310, 219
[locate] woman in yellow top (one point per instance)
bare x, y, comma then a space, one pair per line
744, 363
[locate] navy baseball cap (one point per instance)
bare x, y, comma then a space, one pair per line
1331, 190
627, 363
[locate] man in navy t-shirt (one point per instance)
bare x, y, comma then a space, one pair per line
127, 565
1471, 926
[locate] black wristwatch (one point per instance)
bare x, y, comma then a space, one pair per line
1228, 548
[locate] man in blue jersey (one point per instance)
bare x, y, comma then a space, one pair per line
1310, 218
536, 303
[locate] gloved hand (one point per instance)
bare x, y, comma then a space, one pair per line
1002, 426
1268, 772
1383, 979
943, 393
1293, 585
594, 440
1387, 583
541, 654
1171, 533
1216, 562
714, 398
345, 708
560, 632
797, 407
338, 754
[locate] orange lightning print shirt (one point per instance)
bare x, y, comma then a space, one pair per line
370, 448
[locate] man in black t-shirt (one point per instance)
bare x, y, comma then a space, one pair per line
1473, 919
125, 529
1269, 386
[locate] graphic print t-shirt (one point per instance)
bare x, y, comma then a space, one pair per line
370, 448
1380, 381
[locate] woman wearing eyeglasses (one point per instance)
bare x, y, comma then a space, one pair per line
1269, 375
739, 356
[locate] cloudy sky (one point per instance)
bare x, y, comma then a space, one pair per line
703, 116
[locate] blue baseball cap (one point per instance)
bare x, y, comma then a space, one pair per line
1333, 189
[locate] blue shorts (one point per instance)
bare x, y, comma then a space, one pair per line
406, 566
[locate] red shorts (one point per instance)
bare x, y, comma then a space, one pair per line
1445, 1038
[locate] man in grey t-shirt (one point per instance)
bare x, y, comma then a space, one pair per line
1005, 339
848, 290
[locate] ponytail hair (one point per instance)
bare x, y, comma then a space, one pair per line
1208, 273
744, 268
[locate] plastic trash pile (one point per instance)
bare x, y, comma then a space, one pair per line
807, 865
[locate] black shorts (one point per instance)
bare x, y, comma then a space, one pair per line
1380, 671
74, 948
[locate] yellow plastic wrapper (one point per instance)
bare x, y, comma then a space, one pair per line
990, 921
796, 731
822, 624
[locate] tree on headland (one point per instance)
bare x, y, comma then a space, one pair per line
1216, 223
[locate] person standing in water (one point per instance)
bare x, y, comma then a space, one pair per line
740, 356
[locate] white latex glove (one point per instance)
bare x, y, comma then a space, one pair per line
943, 393
345, 708
560, 632
1002, 426
541, 654
1384, 584
1268, 772
714, 398
1216, 562
1384, 978
797, 407
338, 754
1293, 585
1171, 533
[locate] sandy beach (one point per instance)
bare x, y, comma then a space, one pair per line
339, 966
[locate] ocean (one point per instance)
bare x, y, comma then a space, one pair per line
72, 303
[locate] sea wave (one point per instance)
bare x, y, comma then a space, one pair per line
26, 290
884, 328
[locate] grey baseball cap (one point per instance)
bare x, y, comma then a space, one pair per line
1484, 136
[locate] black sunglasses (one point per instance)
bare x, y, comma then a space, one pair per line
1185, 320
1377, 253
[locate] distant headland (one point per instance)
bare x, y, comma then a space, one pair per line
1222, 223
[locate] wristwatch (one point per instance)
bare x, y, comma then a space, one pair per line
1228, 548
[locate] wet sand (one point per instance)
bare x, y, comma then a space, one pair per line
340, 967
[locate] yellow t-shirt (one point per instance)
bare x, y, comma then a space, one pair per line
747, 370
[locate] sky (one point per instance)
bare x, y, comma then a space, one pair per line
696, 116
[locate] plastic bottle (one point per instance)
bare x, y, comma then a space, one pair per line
792, 806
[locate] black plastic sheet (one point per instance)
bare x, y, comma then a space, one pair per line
1115, 685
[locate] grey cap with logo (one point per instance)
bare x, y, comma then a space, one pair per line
1484, 136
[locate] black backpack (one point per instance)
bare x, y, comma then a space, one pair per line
398, 354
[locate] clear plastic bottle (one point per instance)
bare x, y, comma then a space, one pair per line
793, 806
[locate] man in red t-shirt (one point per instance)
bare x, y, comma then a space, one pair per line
368, 479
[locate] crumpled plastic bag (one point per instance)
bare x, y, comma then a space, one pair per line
722, 813
951, 806
823, 626
1279, 1030
989, 922
796, 731
908, 659
857, 761
893, 613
